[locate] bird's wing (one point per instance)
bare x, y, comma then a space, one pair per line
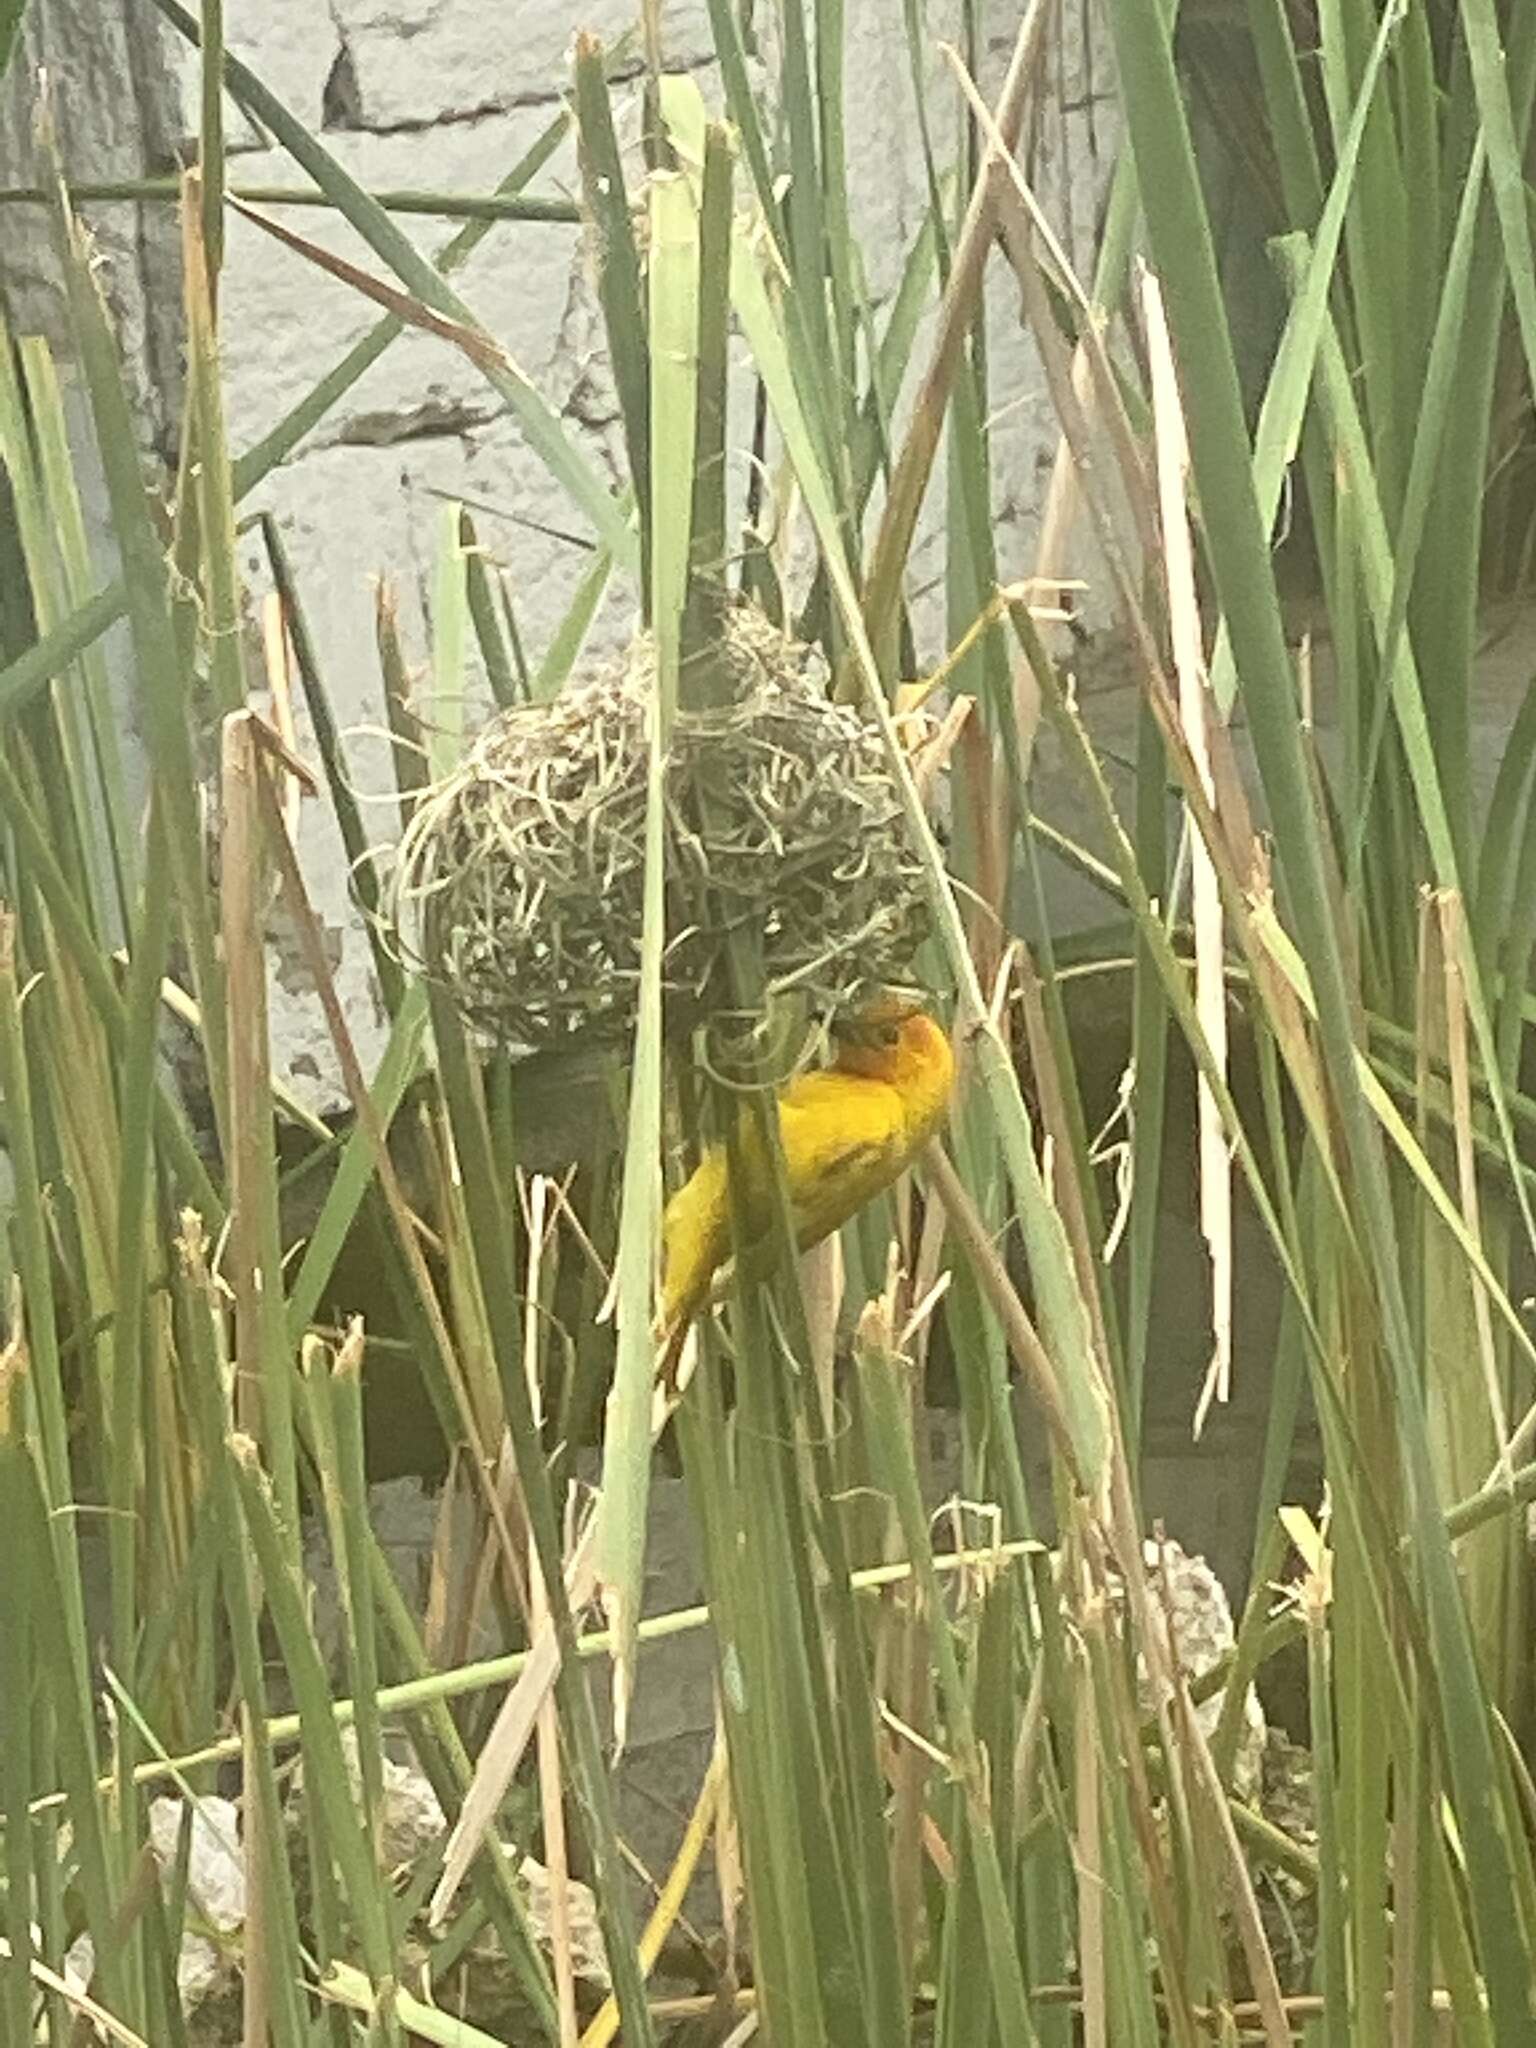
844, 1139
695, 1235
842, 1144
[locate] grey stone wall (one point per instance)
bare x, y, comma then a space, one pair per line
449, 94
114, 98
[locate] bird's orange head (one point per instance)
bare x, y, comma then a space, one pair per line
894, 1040
886, 1035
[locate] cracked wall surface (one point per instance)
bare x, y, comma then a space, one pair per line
113, 97
449, 95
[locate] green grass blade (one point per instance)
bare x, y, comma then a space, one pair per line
136, 1189
361, 867
396, 1071
879, 1366
50, 529
490, 636
281, 440
55, 464
44, 873
210, 152
1181, 243
741, 103
1506, 175
489, 1240
619, 285
1063, 1311
564, 650
161, 673
1413, 726
209, 461
327, 1777
30, 673
1290, 382
11, 12
702, 680
272, 1975
19, 1588
34, 1270
1431, 438
444, 716
674, 327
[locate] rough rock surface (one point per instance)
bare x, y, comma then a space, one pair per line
111, 94
437, 94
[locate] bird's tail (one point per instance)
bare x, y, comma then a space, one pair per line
672, 1334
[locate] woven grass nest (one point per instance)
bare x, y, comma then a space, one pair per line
518, 883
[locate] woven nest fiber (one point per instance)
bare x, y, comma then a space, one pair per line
519, 881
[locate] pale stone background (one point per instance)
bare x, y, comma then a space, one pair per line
450, 94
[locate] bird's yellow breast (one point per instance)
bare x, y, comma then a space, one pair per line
845, 1135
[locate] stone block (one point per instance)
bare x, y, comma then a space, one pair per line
108, 94
286, 322
421, 63
293, 46
347, 517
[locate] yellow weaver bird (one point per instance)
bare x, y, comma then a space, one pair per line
847, 1131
